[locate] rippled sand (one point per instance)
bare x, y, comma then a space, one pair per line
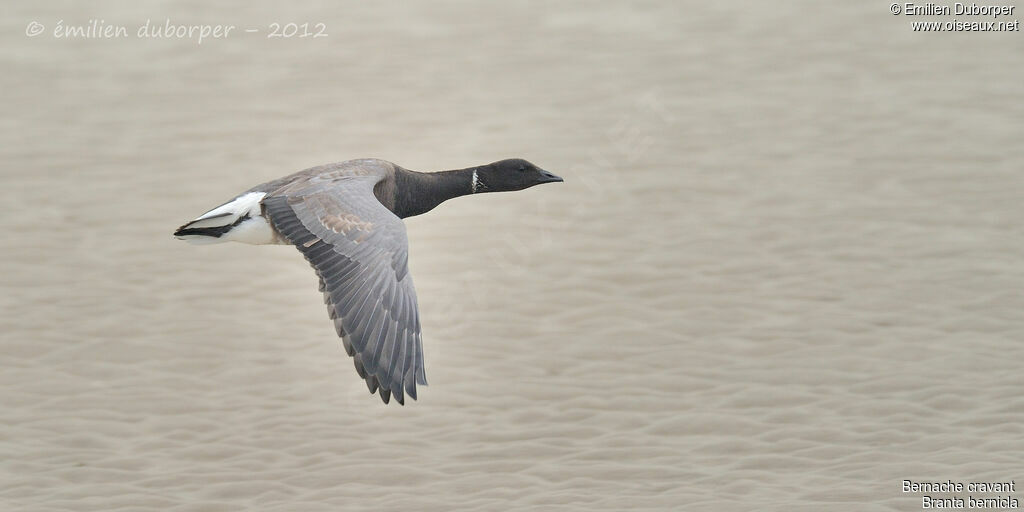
784, 272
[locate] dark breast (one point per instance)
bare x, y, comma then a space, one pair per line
384, 190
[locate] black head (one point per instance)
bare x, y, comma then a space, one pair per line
511, 174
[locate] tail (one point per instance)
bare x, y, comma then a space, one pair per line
210, 227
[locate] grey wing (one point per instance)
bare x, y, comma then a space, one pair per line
360, 252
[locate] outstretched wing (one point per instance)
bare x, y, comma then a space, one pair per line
360, 252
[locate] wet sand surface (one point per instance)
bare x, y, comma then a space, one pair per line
783, 272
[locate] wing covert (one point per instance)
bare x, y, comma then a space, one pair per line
359, 250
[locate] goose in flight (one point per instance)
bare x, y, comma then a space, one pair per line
346, 220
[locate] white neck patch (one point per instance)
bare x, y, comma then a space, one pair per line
476, 181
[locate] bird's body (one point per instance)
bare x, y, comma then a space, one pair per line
345, 218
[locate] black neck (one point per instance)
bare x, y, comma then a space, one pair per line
419, 192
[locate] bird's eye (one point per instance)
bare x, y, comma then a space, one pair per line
522, 168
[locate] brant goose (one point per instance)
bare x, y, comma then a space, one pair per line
345, 218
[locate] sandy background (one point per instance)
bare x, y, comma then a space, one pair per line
784, 272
